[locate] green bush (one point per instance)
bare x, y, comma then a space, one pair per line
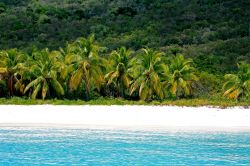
211, 84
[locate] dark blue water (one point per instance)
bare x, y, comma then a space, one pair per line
33, 146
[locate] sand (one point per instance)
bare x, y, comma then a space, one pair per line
128, 117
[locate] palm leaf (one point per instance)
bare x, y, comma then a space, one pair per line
76, 79
173, 89
45, 89
144, 91
3, 70
33, 83
36, 90
227, 85
57, 87
228, 91
113, 76
125, 80
235, 94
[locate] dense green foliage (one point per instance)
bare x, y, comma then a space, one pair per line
238, 84
83, 70
217, 102
159, 50
215, 33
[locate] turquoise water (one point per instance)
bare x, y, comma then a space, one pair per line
34, 146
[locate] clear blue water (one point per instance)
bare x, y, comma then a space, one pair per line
34, 146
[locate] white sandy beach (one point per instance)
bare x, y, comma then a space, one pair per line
164, 117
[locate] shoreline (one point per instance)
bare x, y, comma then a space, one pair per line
173, 118
198, 102
136, 105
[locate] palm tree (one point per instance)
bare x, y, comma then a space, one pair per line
88, 69
147, 68
8, 67
180, 75
238, 85
119, 75
65, 65
43, 74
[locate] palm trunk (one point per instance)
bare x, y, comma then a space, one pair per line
10, 85
87, 94
121, 90
87, 91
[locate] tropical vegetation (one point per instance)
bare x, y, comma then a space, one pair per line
238, 85
142, 51
87, 71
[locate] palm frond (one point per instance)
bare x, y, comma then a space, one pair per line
57, 87
33, 83
45, 89
76, 79
36, 90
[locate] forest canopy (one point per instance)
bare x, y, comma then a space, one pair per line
136, 50
215, 33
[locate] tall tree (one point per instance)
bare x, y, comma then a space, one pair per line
147, 68
43, 74
88, 69
238, 85
65, 66
10, 59
180, 75
120, 72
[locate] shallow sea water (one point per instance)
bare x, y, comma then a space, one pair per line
58, 146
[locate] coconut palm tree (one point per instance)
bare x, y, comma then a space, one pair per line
147, 68
88, 69
119, 74
65, 65
43, 74
238, 85
8, 67
179, 76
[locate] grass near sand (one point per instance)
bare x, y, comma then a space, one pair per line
220, 102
